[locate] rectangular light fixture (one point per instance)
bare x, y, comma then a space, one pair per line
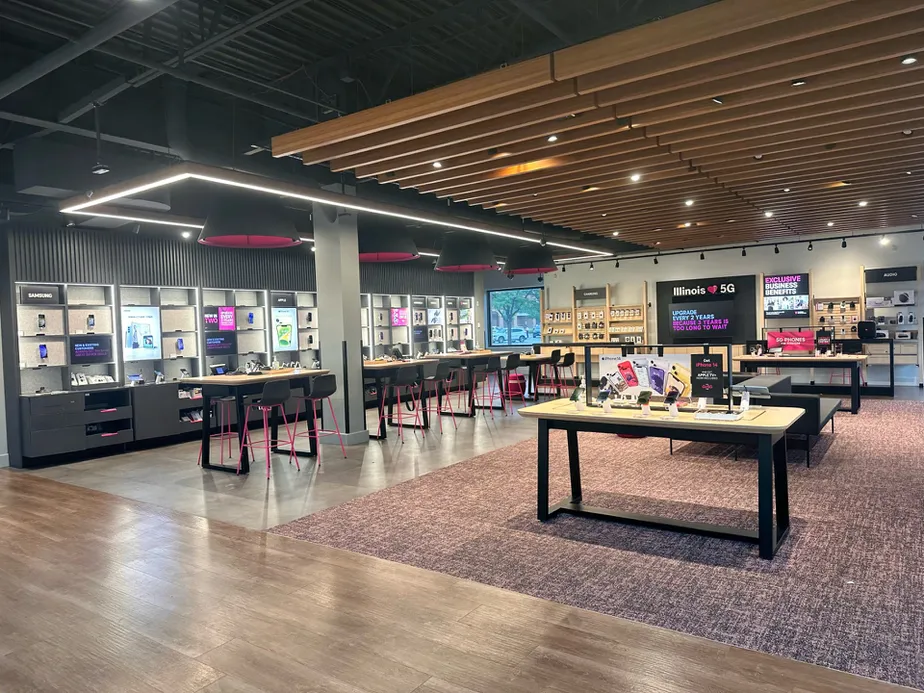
255, 183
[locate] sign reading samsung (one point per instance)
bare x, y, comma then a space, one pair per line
37, 294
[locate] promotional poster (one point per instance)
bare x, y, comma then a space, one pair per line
702, 320
218, 344
142, 333
786, 296
630, 375
718, 310
435, 316
219, 318
399, 317
708, 375
802, 340
86, 350
285, 337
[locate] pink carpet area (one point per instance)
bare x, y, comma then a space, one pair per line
845, 591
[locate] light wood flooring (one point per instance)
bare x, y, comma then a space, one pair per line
103, 594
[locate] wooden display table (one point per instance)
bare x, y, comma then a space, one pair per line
239, 387
380, 371
763, 428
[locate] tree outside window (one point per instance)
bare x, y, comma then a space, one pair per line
515, 317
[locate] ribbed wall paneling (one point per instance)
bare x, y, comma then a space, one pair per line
413, 278
42, 254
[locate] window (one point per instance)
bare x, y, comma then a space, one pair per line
514, 317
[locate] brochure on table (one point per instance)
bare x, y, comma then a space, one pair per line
142, 340
631, 375
285, 337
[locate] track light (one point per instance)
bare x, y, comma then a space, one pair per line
591, 267
883, 240
564, 268
718, 99
656, 261
617, 264
702, 256
799, 82
909, 60
843, 243
811, 247
776, 249
744, 252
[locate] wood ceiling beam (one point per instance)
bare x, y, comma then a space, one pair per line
678, 33
623, 141
481, 136
484, 88
836, 171
406, 167
538, 205
686, 89
616, 206
872, 186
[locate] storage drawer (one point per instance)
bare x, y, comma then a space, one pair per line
110, 414
906, 360
901, 348
55, 405
878, 361
877, 349
64, 440
101, 440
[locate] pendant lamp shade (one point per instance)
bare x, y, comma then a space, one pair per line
465, 255
534, 259
386, 245
249, 224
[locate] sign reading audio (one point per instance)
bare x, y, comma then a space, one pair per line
720, 309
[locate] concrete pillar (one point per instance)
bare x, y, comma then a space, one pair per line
337, 261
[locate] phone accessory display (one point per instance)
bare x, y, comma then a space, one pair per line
41, 322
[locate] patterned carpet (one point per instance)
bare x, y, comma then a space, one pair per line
845, 591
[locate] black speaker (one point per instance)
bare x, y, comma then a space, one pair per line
866, 329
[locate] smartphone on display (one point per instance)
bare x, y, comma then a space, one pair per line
656, 376
179, 344
682, 375
250, 318
43, 352
644, 397
641, 372
91, 321
41, 321
627, 372
618, 382
671, 396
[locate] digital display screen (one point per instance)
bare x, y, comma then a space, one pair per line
702, 320
786, 296
221, 318
285, 335
142, 333
420, 334
97, 349
219, 344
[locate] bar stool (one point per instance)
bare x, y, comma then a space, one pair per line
224, 407
404, 377
548, 375
491, 368
319, 388
440, 377
275, 394
567, 362
514, 382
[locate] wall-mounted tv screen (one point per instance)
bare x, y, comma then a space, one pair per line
220, 343
420, 334
702, 320
786, 296
91, 349
142, 333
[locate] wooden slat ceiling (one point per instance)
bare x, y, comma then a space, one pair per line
773, 118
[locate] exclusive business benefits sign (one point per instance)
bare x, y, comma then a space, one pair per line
786, 295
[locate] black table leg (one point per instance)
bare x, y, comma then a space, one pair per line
542, 487
766, 535
781, 486
206, 428
310, 423
380, 398
574, 465
241, 430
472, 379
534, 381
855, 387
425, 414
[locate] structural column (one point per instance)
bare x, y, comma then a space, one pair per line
337, 262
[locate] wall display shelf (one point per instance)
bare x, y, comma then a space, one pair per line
890, 300
838, 314
460, 322
65, 337
594, 316
365, 302
391, 323
159, 333
309, 340
430, 324
235, 326
557, 324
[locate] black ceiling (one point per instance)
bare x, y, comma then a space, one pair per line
241, 71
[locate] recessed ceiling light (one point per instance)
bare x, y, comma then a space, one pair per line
687, 225
552, 138
907, 133
798, 82
635, 177
657, 242
603, 215
768, 214
730, 221
863, 203
758, 157
908, 173
437, 164
786, 189
718, 99
909, 60
590, 188
883, 240
830, 223
689, 203
186, 234
615, 233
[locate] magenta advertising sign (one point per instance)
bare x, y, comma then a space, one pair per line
399, 317
226, 318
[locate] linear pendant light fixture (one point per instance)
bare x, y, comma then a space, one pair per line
83, 204
462, 255
236, 224
533, 259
